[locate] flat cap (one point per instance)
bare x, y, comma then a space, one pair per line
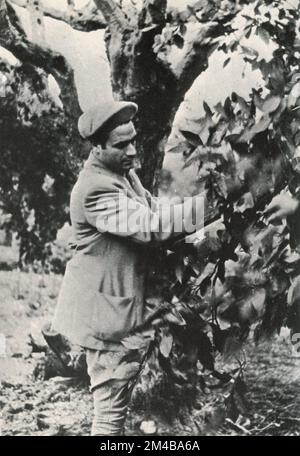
96, 117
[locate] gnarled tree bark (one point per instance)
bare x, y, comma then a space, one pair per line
13, 38
86, 20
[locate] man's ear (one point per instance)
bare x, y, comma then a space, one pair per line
97, 150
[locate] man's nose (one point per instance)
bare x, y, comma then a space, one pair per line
131, 151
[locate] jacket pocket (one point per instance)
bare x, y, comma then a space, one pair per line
113, 316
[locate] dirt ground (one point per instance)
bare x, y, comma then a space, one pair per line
62, 406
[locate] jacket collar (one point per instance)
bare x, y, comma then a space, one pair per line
130, 179
94, 162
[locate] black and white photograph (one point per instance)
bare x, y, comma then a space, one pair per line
150, 221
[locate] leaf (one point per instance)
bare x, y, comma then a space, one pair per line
293, 259
294, 314
232, 348
150, 28
192, 138
228, 108
248, 33
249, 18
245, 202
207, 108
205, 132
237, 403
263, 34
221, 186
223, 47
281, 14
249, 52
174, 318
183, 29
243, 105
294, 95
205, 284
258, 301
166, 344
178, 40
126, 370
135, 342
179, 272
234, 46
260, 126
277, 253
205, 352
178, 148
221, 272
267, 105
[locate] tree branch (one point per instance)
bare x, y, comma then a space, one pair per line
13, 38
153, 12
86, 20
195, 59
113, 14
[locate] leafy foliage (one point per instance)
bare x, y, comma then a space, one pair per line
39, 161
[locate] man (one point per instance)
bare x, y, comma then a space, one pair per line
115, 223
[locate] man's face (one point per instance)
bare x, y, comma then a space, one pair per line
120, 151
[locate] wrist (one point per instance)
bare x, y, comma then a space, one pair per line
297, 205
295, 202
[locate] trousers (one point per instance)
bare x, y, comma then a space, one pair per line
112, 377
295, 309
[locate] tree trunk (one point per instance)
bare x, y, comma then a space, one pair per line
139, 74
152, 85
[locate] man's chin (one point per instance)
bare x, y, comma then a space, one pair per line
128, 166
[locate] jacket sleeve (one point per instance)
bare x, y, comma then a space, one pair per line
112, 211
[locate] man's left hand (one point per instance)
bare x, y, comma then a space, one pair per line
281, 206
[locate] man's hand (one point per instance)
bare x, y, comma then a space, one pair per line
281, 207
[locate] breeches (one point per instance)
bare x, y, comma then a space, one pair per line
112, 376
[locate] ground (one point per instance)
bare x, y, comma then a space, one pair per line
62, 406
